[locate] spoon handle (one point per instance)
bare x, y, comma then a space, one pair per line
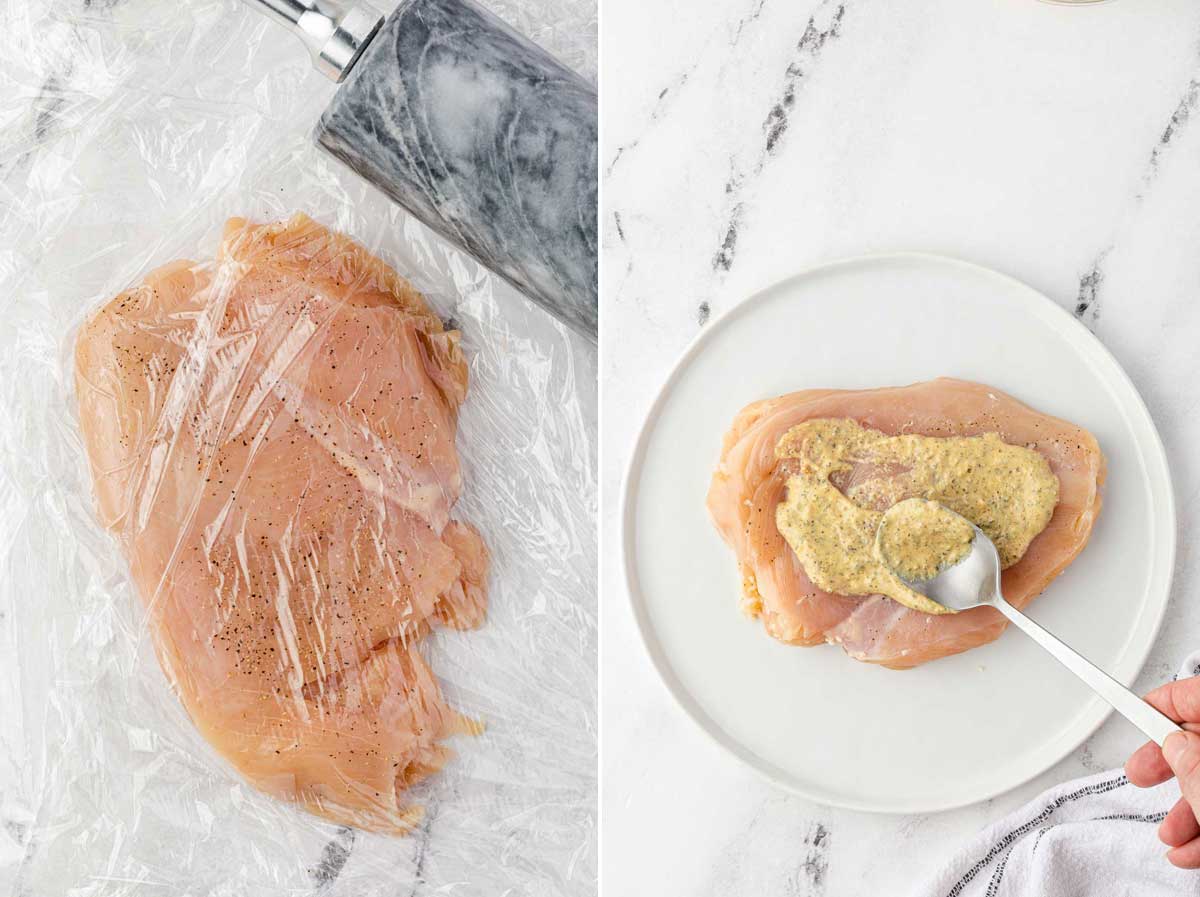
1156, 726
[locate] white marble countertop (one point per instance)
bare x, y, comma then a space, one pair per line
747, 139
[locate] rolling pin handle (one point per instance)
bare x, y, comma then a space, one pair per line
335, 33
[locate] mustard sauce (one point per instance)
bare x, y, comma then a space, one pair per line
845, 476
917, 539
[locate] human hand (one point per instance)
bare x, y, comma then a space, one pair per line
1180, 757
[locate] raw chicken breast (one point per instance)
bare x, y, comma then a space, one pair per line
271, 439
749, 482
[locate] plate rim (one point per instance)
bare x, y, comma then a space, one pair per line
680, 695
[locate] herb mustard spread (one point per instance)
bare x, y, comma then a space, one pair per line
844, 476
917, 539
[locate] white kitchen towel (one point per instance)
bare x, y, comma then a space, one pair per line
1093, 837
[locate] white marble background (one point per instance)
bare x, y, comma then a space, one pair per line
746, 139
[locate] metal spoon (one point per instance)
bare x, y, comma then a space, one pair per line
975, 582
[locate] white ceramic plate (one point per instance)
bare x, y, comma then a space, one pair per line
957, 730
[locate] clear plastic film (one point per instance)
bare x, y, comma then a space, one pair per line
134, 131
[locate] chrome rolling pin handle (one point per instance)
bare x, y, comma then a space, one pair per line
336, 33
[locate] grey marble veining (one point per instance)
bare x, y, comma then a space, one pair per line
823, 26
486, 139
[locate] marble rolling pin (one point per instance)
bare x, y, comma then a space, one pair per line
476, 131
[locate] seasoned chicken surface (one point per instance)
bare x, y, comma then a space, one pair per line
272, 442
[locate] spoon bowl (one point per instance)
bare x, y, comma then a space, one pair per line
972, 582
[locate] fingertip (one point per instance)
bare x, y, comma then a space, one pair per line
1179, 826
1183, 858
1181, 751
1133, 773
1147, 767
1187, 856
1165, 832
1173, 746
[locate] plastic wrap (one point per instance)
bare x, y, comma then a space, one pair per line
133, 130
